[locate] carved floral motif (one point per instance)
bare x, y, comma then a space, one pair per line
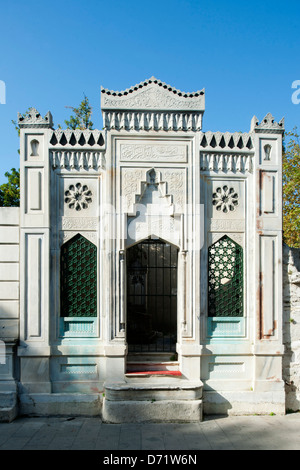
78, 197
225, 199
131, 184
175, 181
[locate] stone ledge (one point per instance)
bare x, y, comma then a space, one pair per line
7, 415
60, 404
8, 407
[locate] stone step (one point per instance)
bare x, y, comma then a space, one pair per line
151, 366
163, 411
153, 377
7, 415
152, 357
176, 390
147, 401
8, 407
7, 399
151, 374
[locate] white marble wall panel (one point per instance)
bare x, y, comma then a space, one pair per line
9, 235
269, 278
9, 253
35, 271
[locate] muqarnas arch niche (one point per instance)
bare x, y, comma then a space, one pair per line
78, 278
225, 279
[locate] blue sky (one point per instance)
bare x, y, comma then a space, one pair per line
245, 54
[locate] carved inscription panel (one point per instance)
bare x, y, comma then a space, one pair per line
152, 151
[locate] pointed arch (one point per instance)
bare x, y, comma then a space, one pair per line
34, 144
225, 279
78, 278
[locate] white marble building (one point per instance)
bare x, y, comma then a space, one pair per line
142, 274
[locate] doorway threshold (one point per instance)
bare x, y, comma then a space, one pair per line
153, 373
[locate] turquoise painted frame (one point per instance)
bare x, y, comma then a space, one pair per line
78, 327
226, 327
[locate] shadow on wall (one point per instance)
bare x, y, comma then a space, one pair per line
291, 326
215, 404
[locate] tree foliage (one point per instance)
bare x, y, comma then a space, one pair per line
291, 189
81, 119
10, 191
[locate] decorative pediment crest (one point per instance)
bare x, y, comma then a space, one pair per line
34, 119
152, 94
268, 124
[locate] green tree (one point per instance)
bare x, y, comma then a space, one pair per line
291, 189
10, 191
81, 119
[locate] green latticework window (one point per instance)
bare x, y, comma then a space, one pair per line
225, 279
78, 278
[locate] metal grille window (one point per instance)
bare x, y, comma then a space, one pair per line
78, 278
225, 279
152, 297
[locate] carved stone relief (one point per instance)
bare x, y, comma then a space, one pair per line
231, 225
223, 163
80, 223
78, 196
67, 235
171, 184
236, 237
166, 228
77, 160
150, 152
131, 185
152, 96
176, 185
225, 199
33, 119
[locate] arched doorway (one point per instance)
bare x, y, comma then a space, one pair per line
152, 297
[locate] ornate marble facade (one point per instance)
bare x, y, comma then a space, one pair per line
151, 173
